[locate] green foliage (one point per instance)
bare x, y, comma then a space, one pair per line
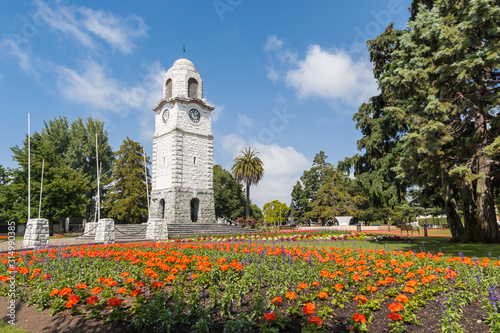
249, 169
276, 211
127, 200
323, 193
228, 194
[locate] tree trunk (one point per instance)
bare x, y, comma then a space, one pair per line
248, 201
452, 216
486, 227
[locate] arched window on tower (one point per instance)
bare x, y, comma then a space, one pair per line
169, 88
192, 88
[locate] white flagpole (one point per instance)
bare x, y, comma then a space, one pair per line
146, 175
98, 180
29, 170
41, 189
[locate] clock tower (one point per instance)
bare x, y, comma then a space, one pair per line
182, 190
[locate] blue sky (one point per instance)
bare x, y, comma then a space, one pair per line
285, 77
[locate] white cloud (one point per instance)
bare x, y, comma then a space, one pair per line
273, 43
282, 168
94, 87
217, 112
9, 46
84, 25
334, 76
244, 120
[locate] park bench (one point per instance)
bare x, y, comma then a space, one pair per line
408, 227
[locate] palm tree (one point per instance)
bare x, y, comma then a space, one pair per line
248, 168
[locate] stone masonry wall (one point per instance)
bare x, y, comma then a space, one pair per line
105, 231
36, 233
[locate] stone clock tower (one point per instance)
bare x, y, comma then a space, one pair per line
182, 179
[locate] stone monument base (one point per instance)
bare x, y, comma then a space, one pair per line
105, 231
36, 233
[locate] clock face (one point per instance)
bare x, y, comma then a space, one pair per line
194, 115
165, 115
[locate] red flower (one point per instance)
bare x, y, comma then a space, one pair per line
121, 290
290, 295
135, 292
277, 301
302, 286
359, 318
66, 291
72, 300
55, 292
96, 290
309, 308
114, 302
395, 307
270, 316
81, 286
394, 316
402, 298
92, 300
315, 320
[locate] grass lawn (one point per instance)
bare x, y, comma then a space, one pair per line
431, 244
7, 328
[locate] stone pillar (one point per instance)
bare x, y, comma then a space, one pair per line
157, 229
90, 228
105, 231
36, 233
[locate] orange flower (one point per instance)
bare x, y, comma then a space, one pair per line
158, 285
325, 273
338, 286
130, 280
412, 283
171, 278
125, 274
81, 286
194, 276
409, 290
395, 307
46, 276
121, 290
371, 288
114, 302
309, 308
290, 295
66, 291
270, 316
135, 292
55, 292
402, 298
72, 300
315, 283
316, 320
394, 316
139, 284
92, 300
302, 286
96, 290
361, 299
359, 318
277, 301
322, 294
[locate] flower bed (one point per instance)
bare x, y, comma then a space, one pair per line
200, 286
290, 235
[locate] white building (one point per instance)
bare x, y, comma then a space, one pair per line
182, 190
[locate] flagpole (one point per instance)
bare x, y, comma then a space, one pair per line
146, 175
98, 184
41, 189
29, 170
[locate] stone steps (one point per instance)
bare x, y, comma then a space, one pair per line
130, 232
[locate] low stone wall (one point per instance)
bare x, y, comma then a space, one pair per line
105, 231
36, 233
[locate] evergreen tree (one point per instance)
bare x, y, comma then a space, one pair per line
229, 198
127, 201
